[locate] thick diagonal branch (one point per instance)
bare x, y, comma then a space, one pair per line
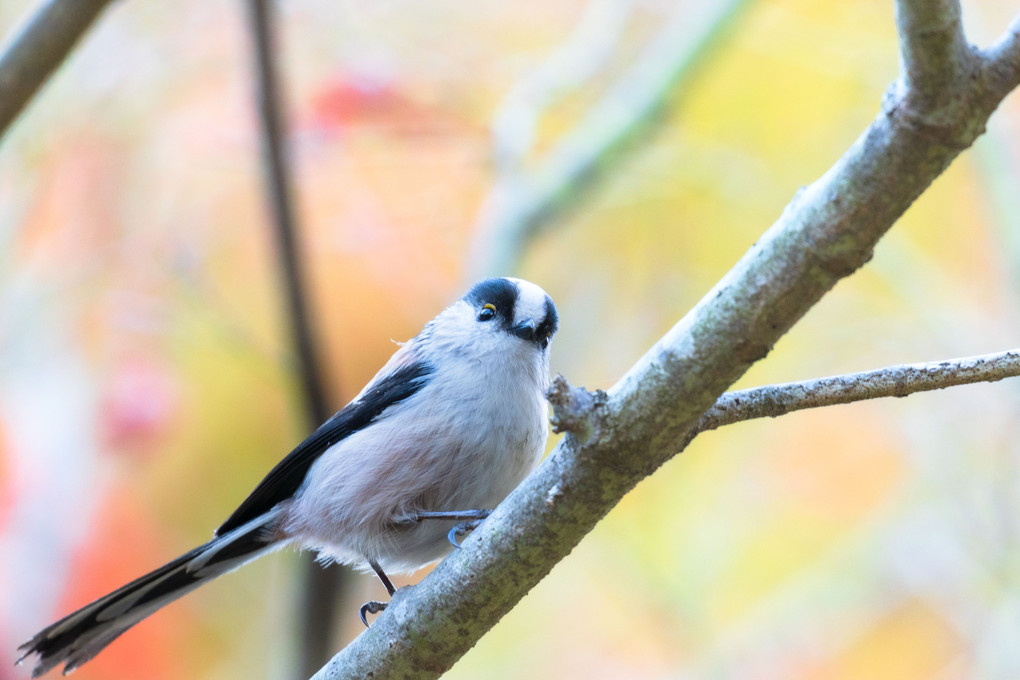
826, 233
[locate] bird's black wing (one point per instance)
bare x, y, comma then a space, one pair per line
284, 480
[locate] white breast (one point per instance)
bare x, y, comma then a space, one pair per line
463, 442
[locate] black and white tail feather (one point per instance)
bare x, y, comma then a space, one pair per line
78, 637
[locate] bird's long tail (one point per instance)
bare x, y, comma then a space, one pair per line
79, 636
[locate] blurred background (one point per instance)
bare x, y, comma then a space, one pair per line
637, 148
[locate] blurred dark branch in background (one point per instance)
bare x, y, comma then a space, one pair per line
37, 47
275, 159
522, 199
321, 587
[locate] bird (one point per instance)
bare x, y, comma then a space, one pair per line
446, 429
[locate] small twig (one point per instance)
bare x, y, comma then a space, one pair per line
894, 381
321, 587
1002, 59
38, 48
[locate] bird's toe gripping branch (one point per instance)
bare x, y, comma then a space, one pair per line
470, 519
371, 607
460, 530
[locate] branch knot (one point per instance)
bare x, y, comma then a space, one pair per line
576, 411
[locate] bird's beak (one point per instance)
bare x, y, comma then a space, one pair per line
525, 330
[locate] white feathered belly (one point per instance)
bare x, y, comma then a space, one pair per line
359, 494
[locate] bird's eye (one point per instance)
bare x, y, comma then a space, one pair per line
488, 312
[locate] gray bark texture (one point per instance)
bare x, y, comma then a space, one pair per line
935, 110
773, 401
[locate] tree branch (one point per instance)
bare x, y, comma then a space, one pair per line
520, 202
576, 61
895, 381
1002, 59
37, 48
826, 233
933, 50
278, 186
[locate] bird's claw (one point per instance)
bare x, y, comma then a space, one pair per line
461, 530
373, 607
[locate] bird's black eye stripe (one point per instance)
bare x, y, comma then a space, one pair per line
500, 293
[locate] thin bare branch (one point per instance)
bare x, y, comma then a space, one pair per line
894, 381
575, 62
934, 55
1002, 59
37, 48
520, 202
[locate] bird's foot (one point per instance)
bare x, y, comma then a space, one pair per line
473, 517
460, 530
373, 607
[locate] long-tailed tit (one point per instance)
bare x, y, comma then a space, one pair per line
446, 429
